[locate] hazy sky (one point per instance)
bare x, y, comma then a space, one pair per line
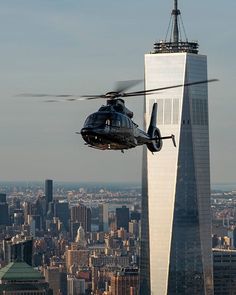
82, 47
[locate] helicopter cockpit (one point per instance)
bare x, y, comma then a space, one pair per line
103, 119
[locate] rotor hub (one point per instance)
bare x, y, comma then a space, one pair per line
112, 95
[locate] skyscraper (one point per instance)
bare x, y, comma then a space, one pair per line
122, 217
48, 191
75, 286
18, 249
81, 215
103, 217
224, 266
4, 211
176, 222
61, 210
56, 278
125, 282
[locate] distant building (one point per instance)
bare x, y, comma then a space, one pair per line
61, 210
134, 228
75, 286
4, 211
77, 255
57, 279
76, 258
21, 279
122, 234
122, 217
18, 249
103, 217
81, 215
3, 198
48, 191
234, 237
106, 260
81, 238
18, 217
73, 229
224, 269
42, 209
135, 215
125, 282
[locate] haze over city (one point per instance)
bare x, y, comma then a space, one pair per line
83, 47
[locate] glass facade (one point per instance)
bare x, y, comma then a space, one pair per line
176, 231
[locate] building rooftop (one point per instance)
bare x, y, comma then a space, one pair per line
19, 271
174, 41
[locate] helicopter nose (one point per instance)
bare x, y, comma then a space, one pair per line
84, 131
87, 131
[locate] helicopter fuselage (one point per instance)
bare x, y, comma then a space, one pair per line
114, 131
113, 137
112, 128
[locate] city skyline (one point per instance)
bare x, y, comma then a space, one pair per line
70, 47
64, 243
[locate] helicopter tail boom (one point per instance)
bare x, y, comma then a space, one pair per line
170, 137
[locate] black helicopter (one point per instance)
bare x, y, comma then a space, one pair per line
112, 127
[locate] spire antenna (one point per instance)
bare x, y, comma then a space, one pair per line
176, 13
175, 43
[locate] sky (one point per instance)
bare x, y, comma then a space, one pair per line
83, 47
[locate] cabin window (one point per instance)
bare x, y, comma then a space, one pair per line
96, 120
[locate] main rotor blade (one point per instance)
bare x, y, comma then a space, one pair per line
142, 92
64, 100
60, 97
121, 86
93, 96
46, 95
138, 94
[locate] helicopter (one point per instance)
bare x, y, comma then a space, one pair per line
112, 127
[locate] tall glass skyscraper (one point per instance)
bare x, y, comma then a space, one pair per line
176, 221
49, 190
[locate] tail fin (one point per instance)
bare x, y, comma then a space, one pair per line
153, 121
154, 132
155, 135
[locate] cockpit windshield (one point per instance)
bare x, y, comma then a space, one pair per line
96, 120
100, 119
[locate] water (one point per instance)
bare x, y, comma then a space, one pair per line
224, 186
